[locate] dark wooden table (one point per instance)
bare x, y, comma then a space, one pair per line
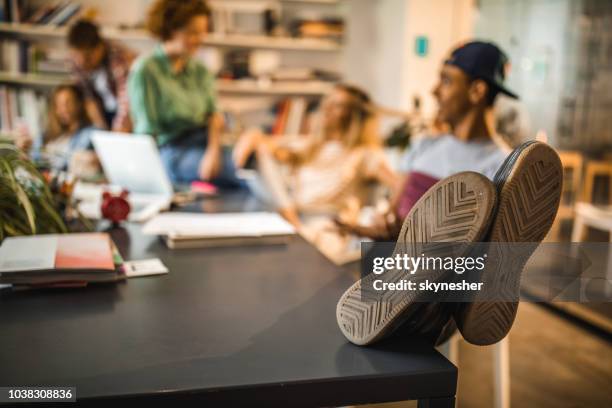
239, 326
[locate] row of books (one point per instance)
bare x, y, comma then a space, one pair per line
22, 108
291, 116
324, 28
21, 56
56, 13
259, 18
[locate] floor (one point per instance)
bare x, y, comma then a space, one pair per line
554, 364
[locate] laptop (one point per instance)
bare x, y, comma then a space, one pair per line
130, 162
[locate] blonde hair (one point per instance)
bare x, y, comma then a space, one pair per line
359, 130
54, 127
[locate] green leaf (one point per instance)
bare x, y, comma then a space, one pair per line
27, 206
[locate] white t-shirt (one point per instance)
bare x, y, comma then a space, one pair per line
334, 174
443, 156
102, 86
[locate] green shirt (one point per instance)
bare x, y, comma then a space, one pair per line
164, 103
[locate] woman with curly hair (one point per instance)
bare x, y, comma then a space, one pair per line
172, 95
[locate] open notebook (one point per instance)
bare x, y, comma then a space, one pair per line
53, 258
195, 230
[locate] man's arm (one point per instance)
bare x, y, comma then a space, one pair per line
94, 113
211, 162
121, 71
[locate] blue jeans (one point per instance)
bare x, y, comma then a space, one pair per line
181, 158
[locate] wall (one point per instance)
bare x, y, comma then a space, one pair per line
532, 33
445, 23
380, 53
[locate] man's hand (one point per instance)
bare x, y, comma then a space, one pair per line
291, 215
94, 114
211, 162
385, 228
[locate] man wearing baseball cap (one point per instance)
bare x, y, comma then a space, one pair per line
469, 81
520, 206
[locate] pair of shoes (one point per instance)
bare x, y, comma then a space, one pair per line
529, 187
519, 206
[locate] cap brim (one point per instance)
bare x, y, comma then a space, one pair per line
489, 81
507, 92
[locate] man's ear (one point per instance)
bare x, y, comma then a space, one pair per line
478, 91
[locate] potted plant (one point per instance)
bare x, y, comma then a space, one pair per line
27, 205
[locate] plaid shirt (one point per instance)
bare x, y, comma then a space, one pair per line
116, 63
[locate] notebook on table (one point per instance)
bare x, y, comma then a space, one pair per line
191, 230
59, 258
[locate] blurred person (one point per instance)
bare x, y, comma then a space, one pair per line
101, 68
469, 82
66, 144
329, 169
173, 98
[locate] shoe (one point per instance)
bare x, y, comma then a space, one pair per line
456, 209
431, 321
528, 190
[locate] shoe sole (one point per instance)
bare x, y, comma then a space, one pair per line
529, 191
456, 209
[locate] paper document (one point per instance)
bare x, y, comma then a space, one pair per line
29, 253
146, 267
187, 225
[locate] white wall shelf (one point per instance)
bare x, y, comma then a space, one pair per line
332, 2
252, 87
213, 39
241, 87
32, 79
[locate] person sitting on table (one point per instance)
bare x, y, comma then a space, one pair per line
469, 83
329, 168
172, 95
66, 145
101, 68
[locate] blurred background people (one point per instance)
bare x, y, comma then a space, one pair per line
172, 95
66, 144
329, 169
469, 82
101, 67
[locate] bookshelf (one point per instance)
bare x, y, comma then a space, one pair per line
243, 34
213, 39
250, 87
32, 79
237, 87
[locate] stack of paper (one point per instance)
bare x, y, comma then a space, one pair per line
69, 259
190, 230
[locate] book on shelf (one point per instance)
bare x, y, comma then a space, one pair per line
291, 116
295, 116
60, 259
58, 13
330, 28
282, 111
22, 107
11, 10
20, 56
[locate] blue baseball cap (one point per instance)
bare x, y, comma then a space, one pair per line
482, 60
